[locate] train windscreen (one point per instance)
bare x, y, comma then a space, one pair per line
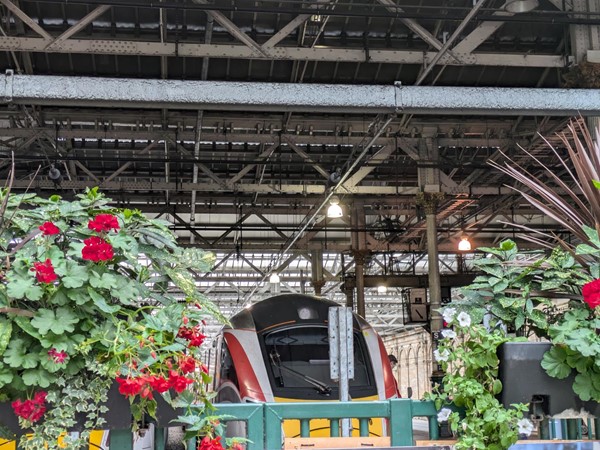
298, 359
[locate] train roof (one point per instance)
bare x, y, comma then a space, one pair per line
286, 309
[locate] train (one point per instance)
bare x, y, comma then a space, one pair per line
277, 350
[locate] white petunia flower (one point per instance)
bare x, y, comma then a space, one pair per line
443, 415
464, 320
525, 426
441, 356
448, 334
449, 314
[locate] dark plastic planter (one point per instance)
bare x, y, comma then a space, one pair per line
524, 380
118, 416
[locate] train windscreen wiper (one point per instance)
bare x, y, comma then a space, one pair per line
321, 387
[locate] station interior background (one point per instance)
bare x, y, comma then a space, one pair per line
253, 185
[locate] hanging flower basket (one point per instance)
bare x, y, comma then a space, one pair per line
100, 318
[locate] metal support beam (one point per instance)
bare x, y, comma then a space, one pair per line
217, 95
334, 54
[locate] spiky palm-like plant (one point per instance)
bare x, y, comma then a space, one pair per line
569, 195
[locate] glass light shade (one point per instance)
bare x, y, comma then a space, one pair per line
521, 6
381, 289
464, 245
274, 278
334, 211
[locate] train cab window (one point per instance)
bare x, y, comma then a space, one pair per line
298, 359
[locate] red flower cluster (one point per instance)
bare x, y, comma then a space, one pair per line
104, 222
58, 357
192, 334
97, 249
591, 293
49, 229
44, 271
31, 409
187, 364
210, 444
145, 384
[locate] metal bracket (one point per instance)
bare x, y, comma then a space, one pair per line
8, 86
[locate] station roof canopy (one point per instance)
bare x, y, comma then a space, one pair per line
239, 120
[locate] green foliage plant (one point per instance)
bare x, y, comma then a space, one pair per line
90, 295
467, 354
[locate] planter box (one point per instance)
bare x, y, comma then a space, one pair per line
524, 379
118, 416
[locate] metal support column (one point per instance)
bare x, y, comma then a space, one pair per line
316, 264
360, 253
359, 264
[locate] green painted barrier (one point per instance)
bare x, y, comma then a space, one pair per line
267, 435
264, 421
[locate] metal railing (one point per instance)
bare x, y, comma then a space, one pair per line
264, 420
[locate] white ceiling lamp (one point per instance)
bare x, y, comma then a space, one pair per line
381, 289
335, 210
274, 278
520, 6
464, 245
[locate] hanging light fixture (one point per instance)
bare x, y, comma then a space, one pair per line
274, 278
335, 210
521, 6
464, 245
381, 289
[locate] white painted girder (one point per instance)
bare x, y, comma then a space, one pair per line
236, 51
254, 96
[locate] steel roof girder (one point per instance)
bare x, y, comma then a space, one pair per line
219, 95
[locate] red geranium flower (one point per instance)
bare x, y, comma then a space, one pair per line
58, 357
44, 271
591, 293
32, 410
210, 444
49, 229
97, 249
104, 222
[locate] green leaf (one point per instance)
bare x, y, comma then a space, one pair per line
18, 355
592, 234
38, 377
59, 321
583, 386
125, 290
596, 184
72, 274
6, 376
555, 364
20, 287
101, 303
102, 281
5, 333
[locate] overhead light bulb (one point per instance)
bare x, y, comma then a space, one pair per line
521, 6
381, 289
335, 210
464, 245
274, 278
